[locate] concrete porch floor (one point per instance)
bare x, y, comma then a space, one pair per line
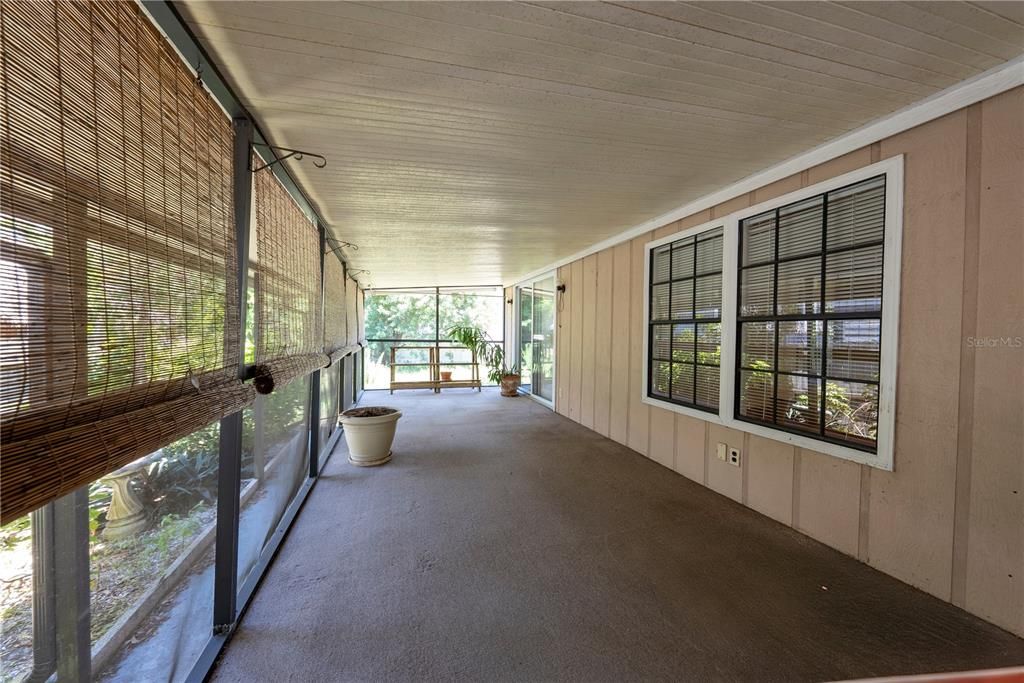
504, 542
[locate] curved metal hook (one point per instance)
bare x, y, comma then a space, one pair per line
318, 161
341, 245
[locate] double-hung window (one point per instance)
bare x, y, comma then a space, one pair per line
781, 319
810, 313
685, 328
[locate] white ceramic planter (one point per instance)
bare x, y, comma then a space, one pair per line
369, 438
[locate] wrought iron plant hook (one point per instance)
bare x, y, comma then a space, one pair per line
318, 160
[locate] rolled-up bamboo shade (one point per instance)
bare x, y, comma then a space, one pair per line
117, 248
351, 310
277, 373
360, 316
335, 313
37, 470
288, 289
337, 355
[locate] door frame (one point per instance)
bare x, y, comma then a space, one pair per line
517, 334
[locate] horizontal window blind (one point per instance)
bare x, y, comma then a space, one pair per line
118, 303
289, 336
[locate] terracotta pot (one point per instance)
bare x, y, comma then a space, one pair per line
446, 375
369, 433
510, 385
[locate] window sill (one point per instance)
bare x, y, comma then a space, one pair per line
878, 460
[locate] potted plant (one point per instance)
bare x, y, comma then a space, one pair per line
446, 375
490, 354
369, 432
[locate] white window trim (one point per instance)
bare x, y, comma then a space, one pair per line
892, 168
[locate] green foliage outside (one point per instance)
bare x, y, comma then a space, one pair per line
13, 533
414, 315
757, 391
135, 325
855, 415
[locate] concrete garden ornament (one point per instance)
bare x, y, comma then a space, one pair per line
369, 433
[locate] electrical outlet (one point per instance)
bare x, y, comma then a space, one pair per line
734, 457
722, 451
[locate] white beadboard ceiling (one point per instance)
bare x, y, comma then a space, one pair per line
473, 142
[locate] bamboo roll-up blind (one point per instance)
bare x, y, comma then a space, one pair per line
335, 332
351, 310
360, 315
117, 249
276, 373
288, 286
37, 470
338, 354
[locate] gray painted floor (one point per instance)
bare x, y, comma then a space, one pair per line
504, 542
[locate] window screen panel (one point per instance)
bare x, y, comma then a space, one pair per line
120, 302
809, 315
685, 320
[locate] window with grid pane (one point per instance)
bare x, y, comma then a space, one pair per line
809, 315
685, 324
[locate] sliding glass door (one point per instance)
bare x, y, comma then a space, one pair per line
536, 337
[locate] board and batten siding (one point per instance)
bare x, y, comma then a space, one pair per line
950, 518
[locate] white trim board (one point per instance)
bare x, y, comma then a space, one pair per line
983, 86
892, 168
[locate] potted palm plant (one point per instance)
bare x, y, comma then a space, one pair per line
490, 354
